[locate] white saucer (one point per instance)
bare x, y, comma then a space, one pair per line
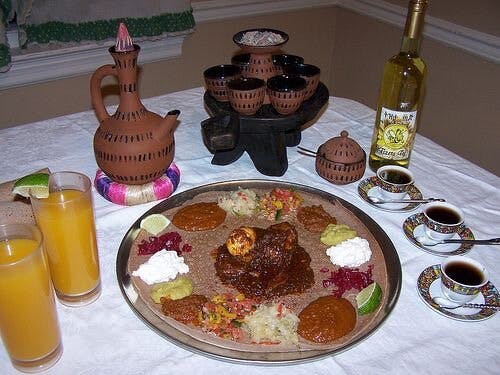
413, 228
375, 192
429, 286
419, 231
369, 188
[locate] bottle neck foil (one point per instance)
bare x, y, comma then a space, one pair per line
414, 26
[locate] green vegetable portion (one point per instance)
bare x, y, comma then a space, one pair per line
176, 289
336, 233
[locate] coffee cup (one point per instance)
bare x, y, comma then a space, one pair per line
394, 181
217, 78
283, 59
286, 93
442, 220
462, 278
311, 73
242, 61
246, 95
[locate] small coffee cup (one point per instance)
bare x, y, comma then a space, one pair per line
311, 73
242, 61
217, 78
394, 181
286, 93
246, 95
462, 278
442, 220
285, 59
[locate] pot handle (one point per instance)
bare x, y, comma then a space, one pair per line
95, 90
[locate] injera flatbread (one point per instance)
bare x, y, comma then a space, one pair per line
15, 209
202, 270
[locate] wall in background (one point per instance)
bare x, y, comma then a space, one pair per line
311, 34
461, 108
480, 15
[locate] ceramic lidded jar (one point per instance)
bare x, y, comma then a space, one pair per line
341, 160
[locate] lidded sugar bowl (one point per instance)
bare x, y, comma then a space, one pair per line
341, 160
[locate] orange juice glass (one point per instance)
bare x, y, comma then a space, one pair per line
66, 219
28, 317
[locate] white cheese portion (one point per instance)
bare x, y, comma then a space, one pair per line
350, 253
162, 266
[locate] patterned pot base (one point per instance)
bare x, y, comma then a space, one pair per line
130, 195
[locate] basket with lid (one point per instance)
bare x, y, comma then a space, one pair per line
341, 160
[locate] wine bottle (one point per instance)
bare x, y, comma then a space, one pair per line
401, 96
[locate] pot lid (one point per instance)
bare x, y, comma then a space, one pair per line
342, 149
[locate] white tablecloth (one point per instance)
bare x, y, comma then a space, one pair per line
106, 337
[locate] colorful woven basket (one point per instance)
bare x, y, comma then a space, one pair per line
130, 195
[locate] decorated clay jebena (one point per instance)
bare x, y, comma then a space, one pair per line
133, 146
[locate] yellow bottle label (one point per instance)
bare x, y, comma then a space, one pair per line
396, 131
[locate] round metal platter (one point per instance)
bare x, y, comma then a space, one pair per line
271, 357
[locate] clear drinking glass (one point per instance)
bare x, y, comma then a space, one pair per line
28, 315
66, 219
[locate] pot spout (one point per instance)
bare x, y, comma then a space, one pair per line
168, 123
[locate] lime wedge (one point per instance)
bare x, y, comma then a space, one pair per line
369, 299
36, 185
154, 223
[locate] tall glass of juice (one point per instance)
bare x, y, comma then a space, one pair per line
66, 219
28, 317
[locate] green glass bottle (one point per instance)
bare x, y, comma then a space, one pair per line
401, 96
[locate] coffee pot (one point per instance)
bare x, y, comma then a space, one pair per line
133, 146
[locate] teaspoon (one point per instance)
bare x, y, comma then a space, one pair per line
424, 200
306, 152
428, 242
451, 305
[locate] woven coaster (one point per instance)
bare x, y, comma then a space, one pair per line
130, 195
